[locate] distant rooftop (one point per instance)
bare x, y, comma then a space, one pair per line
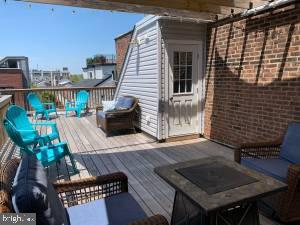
6, 58
101, 59
12, 57
65, 69
124, 34
98, 64
65, 82
90, 82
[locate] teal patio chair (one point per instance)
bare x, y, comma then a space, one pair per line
18, 117
47, 154
43, 109
79, 104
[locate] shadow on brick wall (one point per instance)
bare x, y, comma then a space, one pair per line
254, 106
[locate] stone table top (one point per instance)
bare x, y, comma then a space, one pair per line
264, 185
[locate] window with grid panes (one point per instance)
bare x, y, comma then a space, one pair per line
182, 72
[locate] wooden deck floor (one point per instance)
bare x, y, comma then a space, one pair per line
135, 154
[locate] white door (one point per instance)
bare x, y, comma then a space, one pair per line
183, 91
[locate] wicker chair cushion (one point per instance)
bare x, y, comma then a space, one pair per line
290, 147
276, 168
124, 103
108, 105
115, 210
32, 193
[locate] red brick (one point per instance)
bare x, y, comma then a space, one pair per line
252, 98
11, 78
122, 44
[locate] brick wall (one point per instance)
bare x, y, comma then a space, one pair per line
253, 77
122, 44
13, 78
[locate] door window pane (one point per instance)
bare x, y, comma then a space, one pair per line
182, 58
182, 86
189, 58
176, 58
176, 73
183, 72
189, 72
176, 86
189, 86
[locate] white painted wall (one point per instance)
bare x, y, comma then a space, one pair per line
99, 72
144, 68
139, 76
104, 71
86, 73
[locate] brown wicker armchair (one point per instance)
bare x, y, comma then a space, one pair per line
74, 192
286, 204
118, 119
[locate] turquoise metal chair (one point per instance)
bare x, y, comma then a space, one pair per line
39, 107
18, 117
47, 154
79, 104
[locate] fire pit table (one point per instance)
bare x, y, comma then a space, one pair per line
216, 191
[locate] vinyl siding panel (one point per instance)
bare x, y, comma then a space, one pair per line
139, 76
176, 30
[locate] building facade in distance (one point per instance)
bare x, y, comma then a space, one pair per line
52, 78
14, 72
100, 67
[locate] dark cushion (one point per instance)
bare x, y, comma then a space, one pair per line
124, 103
115, 210
290, 148
32, 193
100, 114
276, 168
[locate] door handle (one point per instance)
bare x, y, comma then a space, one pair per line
171, 98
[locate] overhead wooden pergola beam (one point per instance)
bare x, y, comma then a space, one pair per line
196, 9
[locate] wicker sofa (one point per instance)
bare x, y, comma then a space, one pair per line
274, 159
78, 193
117, 119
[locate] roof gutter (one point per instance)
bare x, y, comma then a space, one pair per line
271, 5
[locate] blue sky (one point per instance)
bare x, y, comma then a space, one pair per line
53, 39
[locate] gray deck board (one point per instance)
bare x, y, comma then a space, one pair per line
134, 154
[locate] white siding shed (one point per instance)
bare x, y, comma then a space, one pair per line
143, 74
139, 76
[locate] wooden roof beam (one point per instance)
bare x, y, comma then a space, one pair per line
242, 4
123, 7
197, 9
